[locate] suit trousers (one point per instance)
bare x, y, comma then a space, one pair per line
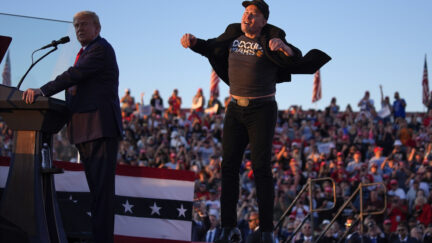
99, 158
253, 125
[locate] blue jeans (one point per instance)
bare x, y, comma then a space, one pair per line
254, 124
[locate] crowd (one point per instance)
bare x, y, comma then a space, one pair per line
368, 145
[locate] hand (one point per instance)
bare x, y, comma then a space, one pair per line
277, 44
30, 95
188, 40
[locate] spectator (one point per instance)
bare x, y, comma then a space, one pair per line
396, 211
333, 107
174, 103
385, 112
254, 234
398, 107
214, 106
214, 231
355, 164
377, 159
402, 235
366, 105
412, 194
141, 110
395, 190
127, 103
213, 202
306, 234
301, 209
374, 233
422, 210
198, 103
156, 103
387, 224
417, 234
200, 222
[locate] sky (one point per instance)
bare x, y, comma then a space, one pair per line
371, 43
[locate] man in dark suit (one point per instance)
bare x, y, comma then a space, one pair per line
306, 236
95, 121
255, 234
214, 230
402, 235
374, 233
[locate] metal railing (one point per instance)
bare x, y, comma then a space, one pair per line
361, 214
309, 186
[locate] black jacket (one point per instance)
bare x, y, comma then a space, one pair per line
217, 51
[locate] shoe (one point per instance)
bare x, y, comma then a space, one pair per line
267, 237
229, 235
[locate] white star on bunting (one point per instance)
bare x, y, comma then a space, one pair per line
127, 207
155, 209
182, 211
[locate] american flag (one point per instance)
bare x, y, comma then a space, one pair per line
316, 92
425, 84
7, 72
214, 84
151, 205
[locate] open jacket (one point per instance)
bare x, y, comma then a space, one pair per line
217, 51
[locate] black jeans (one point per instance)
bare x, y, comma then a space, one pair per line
254, 124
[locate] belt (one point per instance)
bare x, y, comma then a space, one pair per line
244, 102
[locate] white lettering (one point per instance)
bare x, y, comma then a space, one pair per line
245, 47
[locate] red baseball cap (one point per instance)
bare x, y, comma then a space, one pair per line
376, 149
393, 182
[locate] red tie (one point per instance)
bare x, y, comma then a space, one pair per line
78, 55
72, 90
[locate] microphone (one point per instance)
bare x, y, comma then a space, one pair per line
55, 43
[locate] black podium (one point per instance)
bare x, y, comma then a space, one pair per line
28, 208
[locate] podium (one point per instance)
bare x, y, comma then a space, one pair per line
28, 207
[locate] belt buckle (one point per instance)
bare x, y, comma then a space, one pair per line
243, 102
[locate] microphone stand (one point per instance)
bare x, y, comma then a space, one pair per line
33, 64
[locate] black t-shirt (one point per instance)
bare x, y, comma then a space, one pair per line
250, 73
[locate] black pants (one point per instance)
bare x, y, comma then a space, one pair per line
255, 125
99, 158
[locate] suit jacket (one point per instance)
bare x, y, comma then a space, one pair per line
379, 239
301, 240
95, 107
217, 51
199, 229
217, 233
396, 239
254, 237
